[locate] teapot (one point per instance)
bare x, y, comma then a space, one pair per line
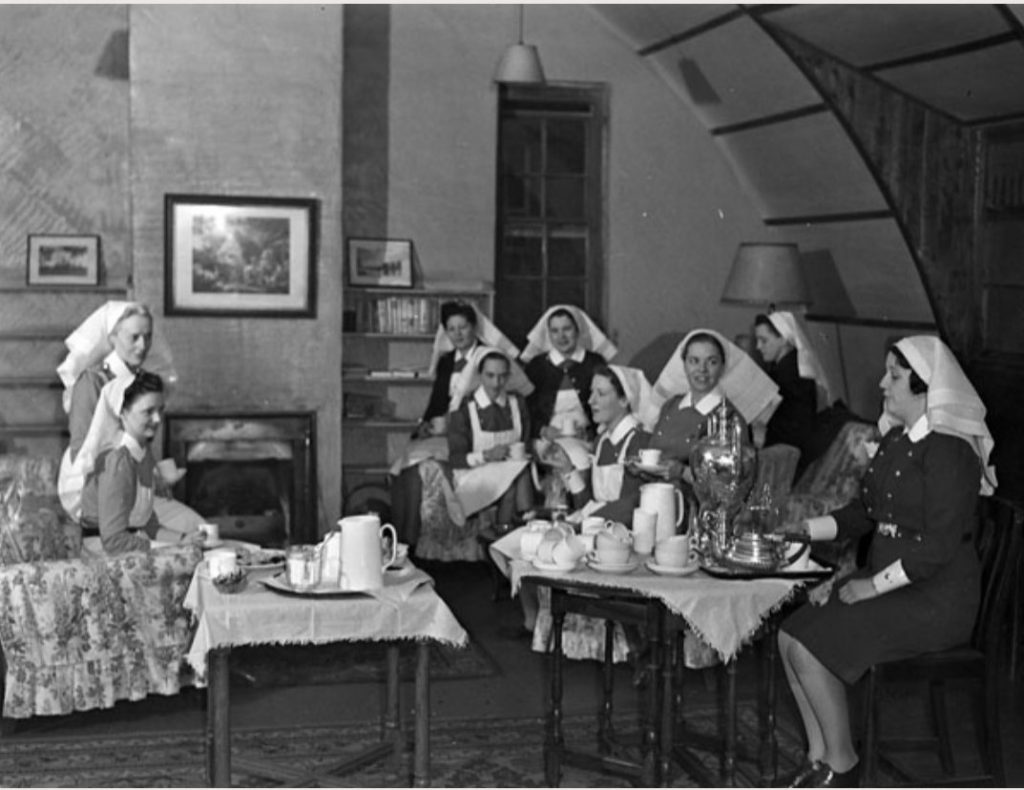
362, 557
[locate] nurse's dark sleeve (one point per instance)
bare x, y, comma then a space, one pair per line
115, 497
460, 438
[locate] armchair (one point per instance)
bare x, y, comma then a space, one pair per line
80, 631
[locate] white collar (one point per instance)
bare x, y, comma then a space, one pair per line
138, 452
919, 429
466, 356
706, 405
117, 365
619, 432
480, 396
557, 357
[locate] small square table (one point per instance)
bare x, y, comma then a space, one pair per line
406, 608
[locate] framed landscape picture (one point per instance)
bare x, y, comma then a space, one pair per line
56, 259
380, 263
240, 256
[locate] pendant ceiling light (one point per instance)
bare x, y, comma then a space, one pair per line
520, 65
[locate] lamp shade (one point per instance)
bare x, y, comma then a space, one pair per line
766, 274
520, 65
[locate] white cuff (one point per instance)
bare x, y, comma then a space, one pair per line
891, 578
822, 528
475, 459
574, 482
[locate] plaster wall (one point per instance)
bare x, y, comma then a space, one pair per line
244, 100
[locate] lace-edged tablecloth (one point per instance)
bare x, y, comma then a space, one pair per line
724, 613
407, 607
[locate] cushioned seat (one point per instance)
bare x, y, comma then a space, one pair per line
81, 631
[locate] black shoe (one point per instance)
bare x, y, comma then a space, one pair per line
801, 776
826, 777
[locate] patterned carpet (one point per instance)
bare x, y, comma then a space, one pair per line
464, 753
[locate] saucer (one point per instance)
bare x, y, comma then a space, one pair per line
652, 469
672, 570
554, 567
614, 567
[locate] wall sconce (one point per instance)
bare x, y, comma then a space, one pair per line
520, 65
766, 274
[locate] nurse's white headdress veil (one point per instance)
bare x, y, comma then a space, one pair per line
486, 332
747, 387
591, 337
90, 343
953, 405
104, 432
810, 367
638, 390
466, 381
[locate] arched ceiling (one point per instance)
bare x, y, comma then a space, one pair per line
794, 156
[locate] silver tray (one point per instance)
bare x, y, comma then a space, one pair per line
722, 571
279, 583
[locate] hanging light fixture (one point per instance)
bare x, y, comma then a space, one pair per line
520, 65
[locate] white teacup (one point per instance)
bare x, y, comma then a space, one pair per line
569, 426
645, 525
650, 456
617, 554
168, 470
531, 540
674, 552
439, 426
222, 562
517, 451
546, 550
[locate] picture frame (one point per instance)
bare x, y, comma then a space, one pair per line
380, 263
63, 260
240, 256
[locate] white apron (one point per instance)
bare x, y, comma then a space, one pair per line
568, 407
483, 485
606, 481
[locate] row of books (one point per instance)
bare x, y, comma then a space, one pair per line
399, 315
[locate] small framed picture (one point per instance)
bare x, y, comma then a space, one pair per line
63, 260
240, 256
380, 263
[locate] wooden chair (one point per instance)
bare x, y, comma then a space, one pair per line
998, 539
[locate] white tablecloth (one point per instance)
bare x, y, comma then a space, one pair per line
406, 608
724, 613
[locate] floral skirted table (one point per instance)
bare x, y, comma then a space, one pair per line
406, 609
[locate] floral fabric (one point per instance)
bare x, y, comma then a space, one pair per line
81, 632
446, 534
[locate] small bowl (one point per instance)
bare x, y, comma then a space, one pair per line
232, 582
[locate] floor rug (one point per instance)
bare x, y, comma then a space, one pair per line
351, 662
464, 753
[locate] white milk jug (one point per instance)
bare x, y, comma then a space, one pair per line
362, 560
667, 501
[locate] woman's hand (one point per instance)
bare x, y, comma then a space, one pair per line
857, 590
550, 433
497, 453
423, 431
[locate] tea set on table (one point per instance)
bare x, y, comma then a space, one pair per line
350, 559
655, 540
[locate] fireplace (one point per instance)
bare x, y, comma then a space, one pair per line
252, 474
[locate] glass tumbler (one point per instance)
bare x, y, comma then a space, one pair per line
303, 566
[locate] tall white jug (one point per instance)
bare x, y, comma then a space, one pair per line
362, 560
667, 501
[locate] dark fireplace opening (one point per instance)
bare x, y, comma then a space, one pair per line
252, 474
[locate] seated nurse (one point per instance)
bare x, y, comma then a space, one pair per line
791, 362
704, 370
564, 349
617, 395
117, 498
480, 435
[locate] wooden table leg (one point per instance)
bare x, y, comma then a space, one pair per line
730, 725
670, 658
605, 732
218, 719
392, 708
421, 749
651, 771
772, 694
554, 741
